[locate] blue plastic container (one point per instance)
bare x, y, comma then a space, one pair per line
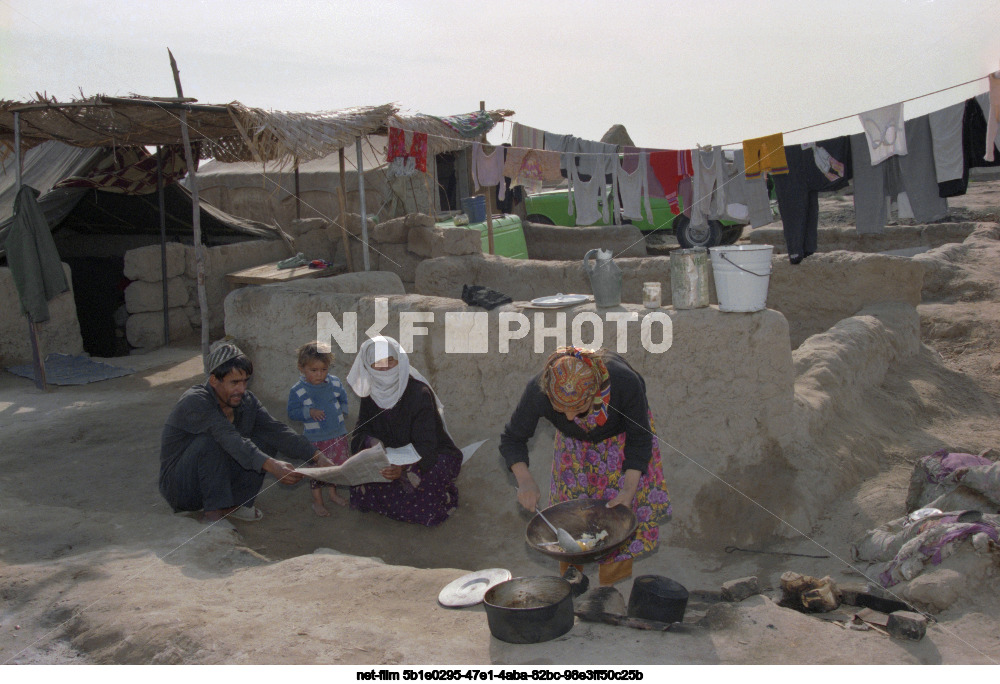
475, 208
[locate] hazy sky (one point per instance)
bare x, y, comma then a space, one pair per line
674, 73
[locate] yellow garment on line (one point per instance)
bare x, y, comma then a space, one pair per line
765, 154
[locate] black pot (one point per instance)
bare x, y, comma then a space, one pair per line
528, 610
655, 597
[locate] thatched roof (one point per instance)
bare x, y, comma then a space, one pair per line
230, 132
440, 136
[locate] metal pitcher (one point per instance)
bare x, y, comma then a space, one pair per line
605, 277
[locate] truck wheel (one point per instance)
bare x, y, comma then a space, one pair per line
730, 234
706, 235
538, 218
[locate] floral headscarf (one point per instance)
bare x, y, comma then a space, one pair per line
576, 378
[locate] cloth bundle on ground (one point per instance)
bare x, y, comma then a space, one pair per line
965, 488
950, 481
901, 549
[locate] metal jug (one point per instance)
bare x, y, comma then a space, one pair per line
605, 277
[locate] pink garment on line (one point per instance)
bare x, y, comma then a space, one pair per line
487, 170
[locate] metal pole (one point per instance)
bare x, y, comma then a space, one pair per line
163, 244
364, 211
36, 354
342, 220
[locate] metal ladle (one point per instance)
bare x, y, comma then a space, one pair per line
564, 538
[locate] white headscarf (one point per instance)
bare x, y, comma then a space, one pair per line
385, 387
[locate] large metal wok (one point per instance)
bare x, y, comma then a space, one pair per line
577, 517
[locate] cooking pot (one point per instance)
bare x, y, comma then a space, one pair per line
655, 597
528, 610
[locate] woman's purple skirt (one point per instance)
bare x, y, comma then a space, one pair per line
416, 497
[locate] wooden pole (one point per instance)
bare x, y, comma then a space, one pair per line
363, 210
298, 201
199, 248
489, 195
163, 244
37, 360
342, 197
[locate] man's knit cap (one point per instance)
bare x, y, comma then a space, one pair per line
221, 352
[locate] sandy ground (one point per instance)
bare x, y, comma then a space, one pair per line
94, 568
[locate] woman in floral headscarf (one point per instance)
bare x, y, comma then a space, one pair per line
605, 446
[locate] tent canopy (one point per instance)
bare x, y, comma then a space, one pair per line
97, 211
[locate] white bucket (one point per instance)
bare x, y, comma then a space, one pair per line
742, 273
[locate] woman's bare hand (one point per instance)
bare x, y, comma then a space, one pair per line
629, 484
528, 494
393, 472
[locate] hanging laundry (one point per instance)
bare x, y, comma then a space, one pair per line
992, 116
709, 185
630, 163
973, 138
405, 161
830, 167
872, 184
946, 138
630, 189
531, 168
527, 137
587, 198
669, 167
580, 148
765, 155
487, 169
746, 192
798, 190
977, 131
884, 132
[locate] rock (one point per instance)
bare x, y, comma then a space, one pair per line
417, 219
302, 226
818, 595
142, 296
935, 591
315, 244
353, 224
144, 263
433, 242
146, 329
391, 231
738, 589
906, 625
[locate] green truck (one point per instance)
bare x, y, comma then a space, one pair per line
551, 207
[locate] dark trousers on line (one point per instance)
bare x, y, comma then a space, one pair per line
206, 477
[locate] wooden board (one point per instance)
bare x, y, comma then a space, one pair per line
270, 273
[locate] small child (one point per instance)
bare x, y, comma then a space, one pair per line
320, 402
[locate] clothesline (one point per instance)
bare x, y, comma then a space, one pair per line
851, 116
733, 144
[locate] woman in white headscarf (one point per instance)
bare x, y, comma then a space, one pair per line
398, 407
